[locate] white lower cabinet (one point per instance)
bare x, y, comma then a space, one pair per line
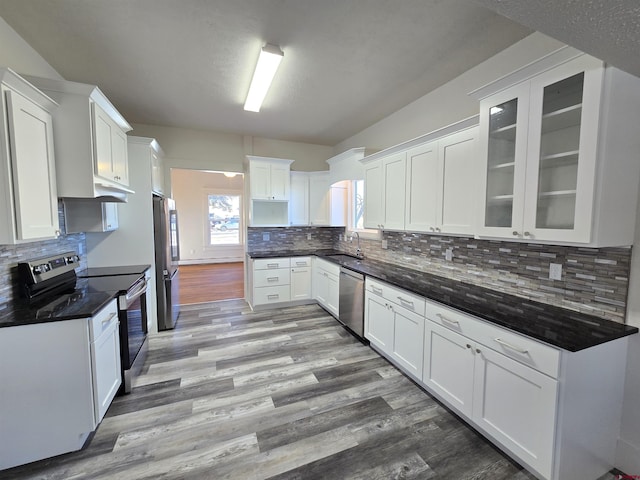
326, 285
300, 278
556, 412
68, 373
513, 403
394, 324
280, 280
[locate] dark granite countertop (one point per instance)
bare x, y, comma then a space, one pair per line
292, 253
115, 270
560, 327
79, 303
88, 297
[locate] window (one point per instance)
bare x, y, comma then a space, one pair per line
224, 224
356, 211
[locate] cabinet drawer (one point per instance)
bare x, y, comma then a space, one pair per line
276, 294
269, 278
300, 262
101, 321
270, 263
525, 350
410, 301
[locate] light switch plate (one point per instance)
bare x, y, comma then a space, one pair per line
266, 237
308, 236
385, 244
555, 271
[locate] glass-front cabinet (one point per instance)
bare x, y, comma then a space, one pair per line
541, 149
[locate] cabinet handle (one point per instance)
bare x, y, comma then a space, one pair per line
404, 300
527, 234
432, 229
301, 264
468, 346
273, 279
515, 233
273, 265
512, 347
107, 320
437, 229
273, 296
57, 233
478, 350
376, 290
450, 320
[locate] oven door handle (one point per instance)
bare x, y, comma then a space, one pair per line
137, 290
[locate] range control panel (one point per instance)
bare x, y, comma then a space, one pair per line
45, 268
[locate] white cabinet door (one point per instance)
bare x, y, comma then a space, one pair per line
516, 405
449, 366
563, 147
279, 180
408, 340
103, 156
299, 200
260, 180
379, 323
394, 178
333, 294
105, 352
320, 286
33, 170
422, 188
373, 214
503, 136
120, 157
300, 283
458, 179
319, 199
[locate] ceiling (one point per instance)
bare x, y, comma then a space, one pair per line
606, 29
188, 63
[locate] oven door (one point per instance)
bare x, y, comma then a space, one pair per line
133, 326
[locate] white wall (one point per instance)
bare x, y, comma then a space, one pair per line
628, 453
190, 190
18, 55
449, 103
225, 152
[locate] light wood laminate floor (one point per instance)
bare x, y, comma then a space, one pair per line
211, 282
280, 394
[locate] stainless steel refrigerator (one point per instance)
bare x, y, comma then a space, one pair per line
167, 254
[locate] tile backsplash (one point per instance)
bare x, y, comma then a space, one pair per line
594, 280
292, 238
10, 255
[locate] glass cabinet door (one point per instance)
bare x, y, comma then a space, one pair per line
501, 164
503, 132
559, 154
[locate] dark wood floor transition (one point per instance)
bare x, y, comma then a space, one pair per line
281, 394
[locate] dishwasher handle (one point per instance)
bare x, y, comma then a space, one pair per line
351, 273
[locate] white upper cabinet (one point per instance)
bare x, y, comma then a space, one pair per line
299, 199
29, 206
556, 151
269, 191
269, 178
90, 141
319, 199
313, 201
425, 185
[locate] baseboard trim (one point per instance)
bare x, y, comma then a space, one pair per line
628, 457
205, 261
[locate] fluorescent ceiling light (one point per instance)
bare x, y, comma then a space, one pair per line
270, 57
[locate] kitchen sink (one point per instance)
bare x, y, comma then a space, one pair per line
343, 258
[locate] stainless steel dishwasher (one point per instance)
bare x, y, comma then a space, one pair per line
351, 307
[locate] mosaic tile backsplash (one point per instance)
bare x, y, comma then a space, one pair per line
594, 280
10, 255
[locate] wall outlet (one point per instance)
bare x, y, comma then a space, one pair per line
308, 236
266, 237
555, 271
385, 244
448, 254
340, 237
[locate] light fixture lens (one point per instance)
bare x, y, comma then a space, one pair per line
230, 174
268, 62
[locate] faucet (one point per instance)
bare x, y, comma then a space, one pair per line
358, 249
